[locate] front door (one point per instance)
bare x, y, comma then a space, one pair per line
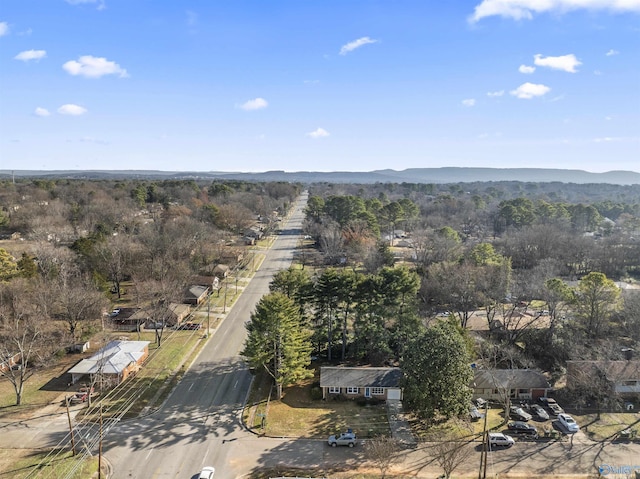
367, 392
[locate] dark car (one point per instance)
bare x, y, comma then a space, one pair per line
522, 428
552, 405
538, 412
519, 414
190, 326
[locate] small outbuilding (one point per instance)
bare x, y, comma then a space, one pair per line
196, 294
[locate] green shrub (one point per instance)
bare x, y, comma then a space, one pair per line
316, 393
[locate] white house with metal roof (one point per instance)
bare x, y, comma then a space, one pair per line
113, 363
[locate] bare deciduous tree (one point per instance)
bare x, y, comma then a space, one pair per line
26, 339
450, 452
383, 451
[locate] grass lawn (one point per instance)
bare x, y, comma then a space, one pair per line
18, 463
609, 424
297, 415
157, 374
44, 387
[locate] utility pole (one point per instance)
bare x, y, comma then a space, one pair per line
73, 439
224, 308
100, 446
208, 313
482, 473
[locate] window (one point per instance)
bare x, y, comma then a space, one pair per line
523, 391
630, 383
377, 391
352, 390
334, 390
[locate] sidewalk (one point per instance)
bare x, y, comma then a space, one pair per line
400, 429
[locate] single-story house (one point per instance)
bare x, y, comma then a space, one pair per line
196, 294
522, 384
221, 271
129, 319
380, 383
178, 313
624, 374
253, 232
113, 363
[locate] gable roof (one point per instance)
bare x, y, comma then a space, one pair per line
509, 379
112, 359
196, 291
615, 371
360, 377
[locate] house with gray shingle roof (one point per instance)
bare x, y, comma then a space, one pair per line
524, 384
623, 375
378, 383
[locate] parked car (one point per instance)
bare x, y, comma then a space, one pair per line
475, 414
524, 429
499, 439
568, 423
115, 312
552, 405
519, 414
481, 403
345, 439
538, 412
207, 473
189, 326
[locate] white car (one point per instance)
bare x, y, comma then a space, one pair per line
568, 423
207, 473
499, 439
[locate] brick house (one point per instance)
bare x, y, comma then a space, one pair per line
380, 383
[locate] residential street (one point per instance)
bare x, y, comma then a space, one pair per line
200, 423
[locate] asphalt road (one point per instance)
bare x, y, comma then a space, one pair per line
200, 423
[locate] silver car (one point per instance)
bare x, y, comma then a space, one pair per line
345, 439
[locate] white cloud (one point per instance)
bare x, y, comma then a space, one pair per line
597, 72
71, 109
101, 4
318, 133
495, 93
26, 33
469, 102
255, 104
612, 52
528, 90
41, 112
349, 47
94, 67
606, 139
525, 9
526, 69
4, 29
567, 63
30, 55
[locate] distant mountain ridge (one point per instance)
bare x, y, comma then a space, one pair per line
411, 175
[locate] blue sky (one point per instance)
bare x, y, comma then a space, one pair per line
310, 85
